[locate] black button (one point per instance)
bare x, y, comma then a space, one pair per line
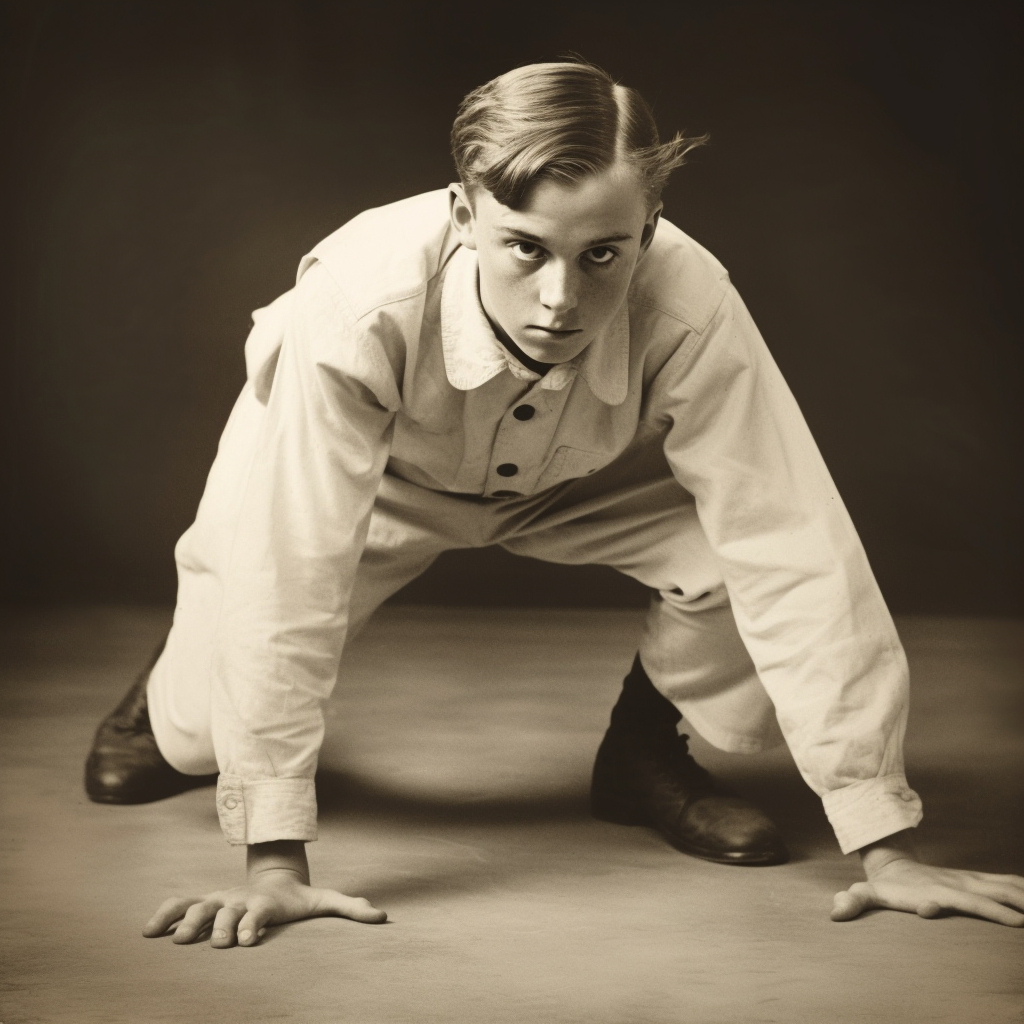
508, 469
506, 494
523, 412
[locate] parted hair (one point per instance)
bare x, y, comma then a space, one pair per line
560, 121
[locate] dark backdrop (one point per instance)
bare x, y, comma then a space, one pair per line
170, 164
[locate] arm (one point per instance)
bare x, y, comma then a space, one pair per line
276, 543
809, 612
295, 544
802, 593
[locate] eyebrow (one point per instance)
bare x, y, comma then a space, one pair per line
590, 245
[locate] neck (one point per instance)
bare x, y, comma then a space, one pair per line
528, 361
508, 344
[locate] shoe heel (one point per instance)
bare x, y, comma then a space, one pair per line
614, 809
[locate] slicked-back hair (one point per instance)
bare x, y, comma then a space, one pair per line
562, 122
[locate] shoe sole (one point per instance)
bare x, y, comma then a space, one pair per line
618, 812
127, 797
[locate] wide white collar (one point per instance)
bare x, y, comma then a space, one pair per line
473, 355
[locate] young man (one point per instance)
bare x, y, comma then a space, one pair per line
530, 359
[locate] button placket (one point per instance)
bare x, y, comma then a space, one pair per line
523, 438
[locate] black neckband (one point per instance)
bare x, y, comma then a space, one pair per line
531, 364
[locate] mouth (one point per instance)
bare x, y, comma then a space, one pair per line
554, 332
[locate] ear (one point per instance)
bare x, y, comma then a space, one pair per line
461, 213
650, 226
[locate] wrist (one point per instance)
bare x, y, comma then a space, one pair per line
280, 857
877, 856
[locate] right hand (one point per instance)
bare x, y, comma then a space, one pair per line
277, 891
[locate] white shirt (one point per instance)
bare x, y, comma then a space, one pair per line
381, 358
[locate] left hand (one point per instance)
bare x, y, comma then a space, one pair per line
900, 882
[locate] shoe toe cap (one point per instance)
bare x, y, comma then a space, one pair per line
735, 831
113, 780
125, 777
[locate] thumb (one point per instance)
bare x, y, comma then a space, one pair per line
852, 902
353, 907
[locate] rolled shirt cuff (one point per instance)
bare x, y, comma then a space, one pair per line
867, 811
262, 810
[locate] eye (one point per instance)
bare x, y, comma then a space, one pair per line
528, 252
601, 255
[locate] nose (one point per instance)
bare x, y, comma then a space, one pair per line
558, 287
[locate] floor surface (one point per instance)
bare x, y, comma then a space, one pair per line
453, 795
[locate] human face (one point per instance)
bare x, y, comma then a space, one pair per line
554, 273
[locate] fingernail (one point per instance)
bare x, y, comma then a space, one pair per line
262, 932
219, 933
245, 936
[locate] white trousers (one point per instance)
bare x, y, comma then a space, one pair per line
632, 515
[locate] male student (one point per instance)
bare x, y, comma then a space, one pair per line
530, 358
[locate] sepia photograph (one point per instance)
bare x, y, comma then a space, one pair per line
512, 513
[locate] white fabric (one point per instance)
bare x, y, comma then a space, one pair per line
379, 401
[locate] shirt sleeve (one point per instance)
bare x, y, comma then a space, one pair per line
803, 595
304, 509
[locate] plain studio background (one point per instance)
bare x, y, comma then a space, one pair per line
171, 163
168, 165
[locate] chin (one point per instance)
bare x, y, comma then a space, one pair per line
553, 351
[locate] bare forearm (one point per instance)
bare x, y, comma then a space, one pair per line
876, 856
282, 855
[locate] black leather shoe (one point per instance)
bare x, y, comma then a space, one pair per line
644, 775
125, 765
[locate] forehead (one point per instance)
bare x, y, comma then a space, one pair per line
611, 202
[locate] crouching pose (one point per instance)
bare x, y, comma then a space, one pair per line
530, 358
